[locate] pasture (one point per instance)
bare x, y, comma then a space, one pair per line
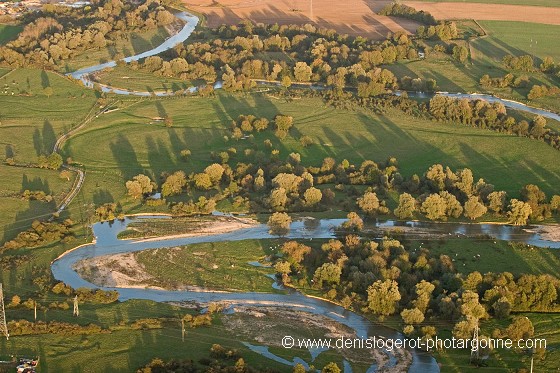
545, 3
129, 142
9, 33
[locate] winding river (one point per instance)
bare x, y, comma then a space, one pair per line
106, 242
191, 21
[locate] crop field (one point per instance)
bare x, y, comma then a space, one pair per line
130, 142
490, 11
8, 33
545, 3
353, 17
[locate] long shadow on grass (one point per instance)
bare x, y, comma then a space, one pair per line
159, 158
35, 184
125, 157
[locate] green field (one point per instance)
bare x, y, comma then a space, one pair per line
519, 38
8, 33
546, 3
138, 80
129, 142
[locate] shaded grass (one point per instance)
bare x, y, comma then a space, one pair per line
128, 142
495, 256
545, 3
9, 33
125, 77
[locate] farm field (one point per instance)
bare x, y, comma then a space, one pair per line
353, 17
489, 11
129, 142
545, 3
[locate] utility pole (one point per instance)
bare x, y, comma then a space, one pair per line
3, 325
35, 309
76, 309
183, 329
531, 363
474, 345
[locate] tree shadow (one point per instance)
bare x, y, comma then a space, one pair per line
35, 184
125, 157
102, 196
45, 81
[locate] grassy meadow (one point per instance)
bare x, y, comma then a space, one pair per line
218, 266
129, 142
9, 33
138, 80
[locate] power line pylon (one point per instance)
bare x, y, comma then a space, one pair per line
76, 309
3, 325
475, 355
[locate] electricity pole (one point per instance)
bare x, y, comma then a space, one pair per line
183, 329
3, 325
474, 345
76, 309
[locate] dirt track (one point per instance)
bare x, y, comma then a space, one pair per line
496, 12
353, 17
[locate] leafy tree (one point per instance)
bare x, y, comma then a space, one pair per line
202, 181
48, 91
283, 122
434, 207
383, 297
412, 316
502, 307
140, 185
406, 207
474, 208
302, 72
497, 201
354, 222
295, 251
369, 203
520, 328
519, 212
215, 172
312, 196
327, 273
279, 223
331, 368
173, 184
278, 199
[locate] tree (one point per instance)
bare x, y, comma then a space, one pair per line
295, 251
383, 297
140, 185
173, 184
369, 203
327, 273
497, 201
286, 82
519, 212
54, 161
215, 172
354, 222
302, 72
283, 122
312, 196
520, 328
406, 207
555, 203
331, 368
474, 208
412, 316
278, 199
434, 207
298, 368
202, 181
65, 174
279, 223
424, 292
48, 91
502, 308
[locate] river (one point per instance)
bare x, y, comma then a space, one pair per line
191, 21
106, 242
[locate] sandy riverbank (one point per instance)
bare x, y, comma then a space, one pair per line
548, 232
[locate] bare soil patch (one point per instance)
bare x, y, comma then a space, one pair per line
353, 17
490, 12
